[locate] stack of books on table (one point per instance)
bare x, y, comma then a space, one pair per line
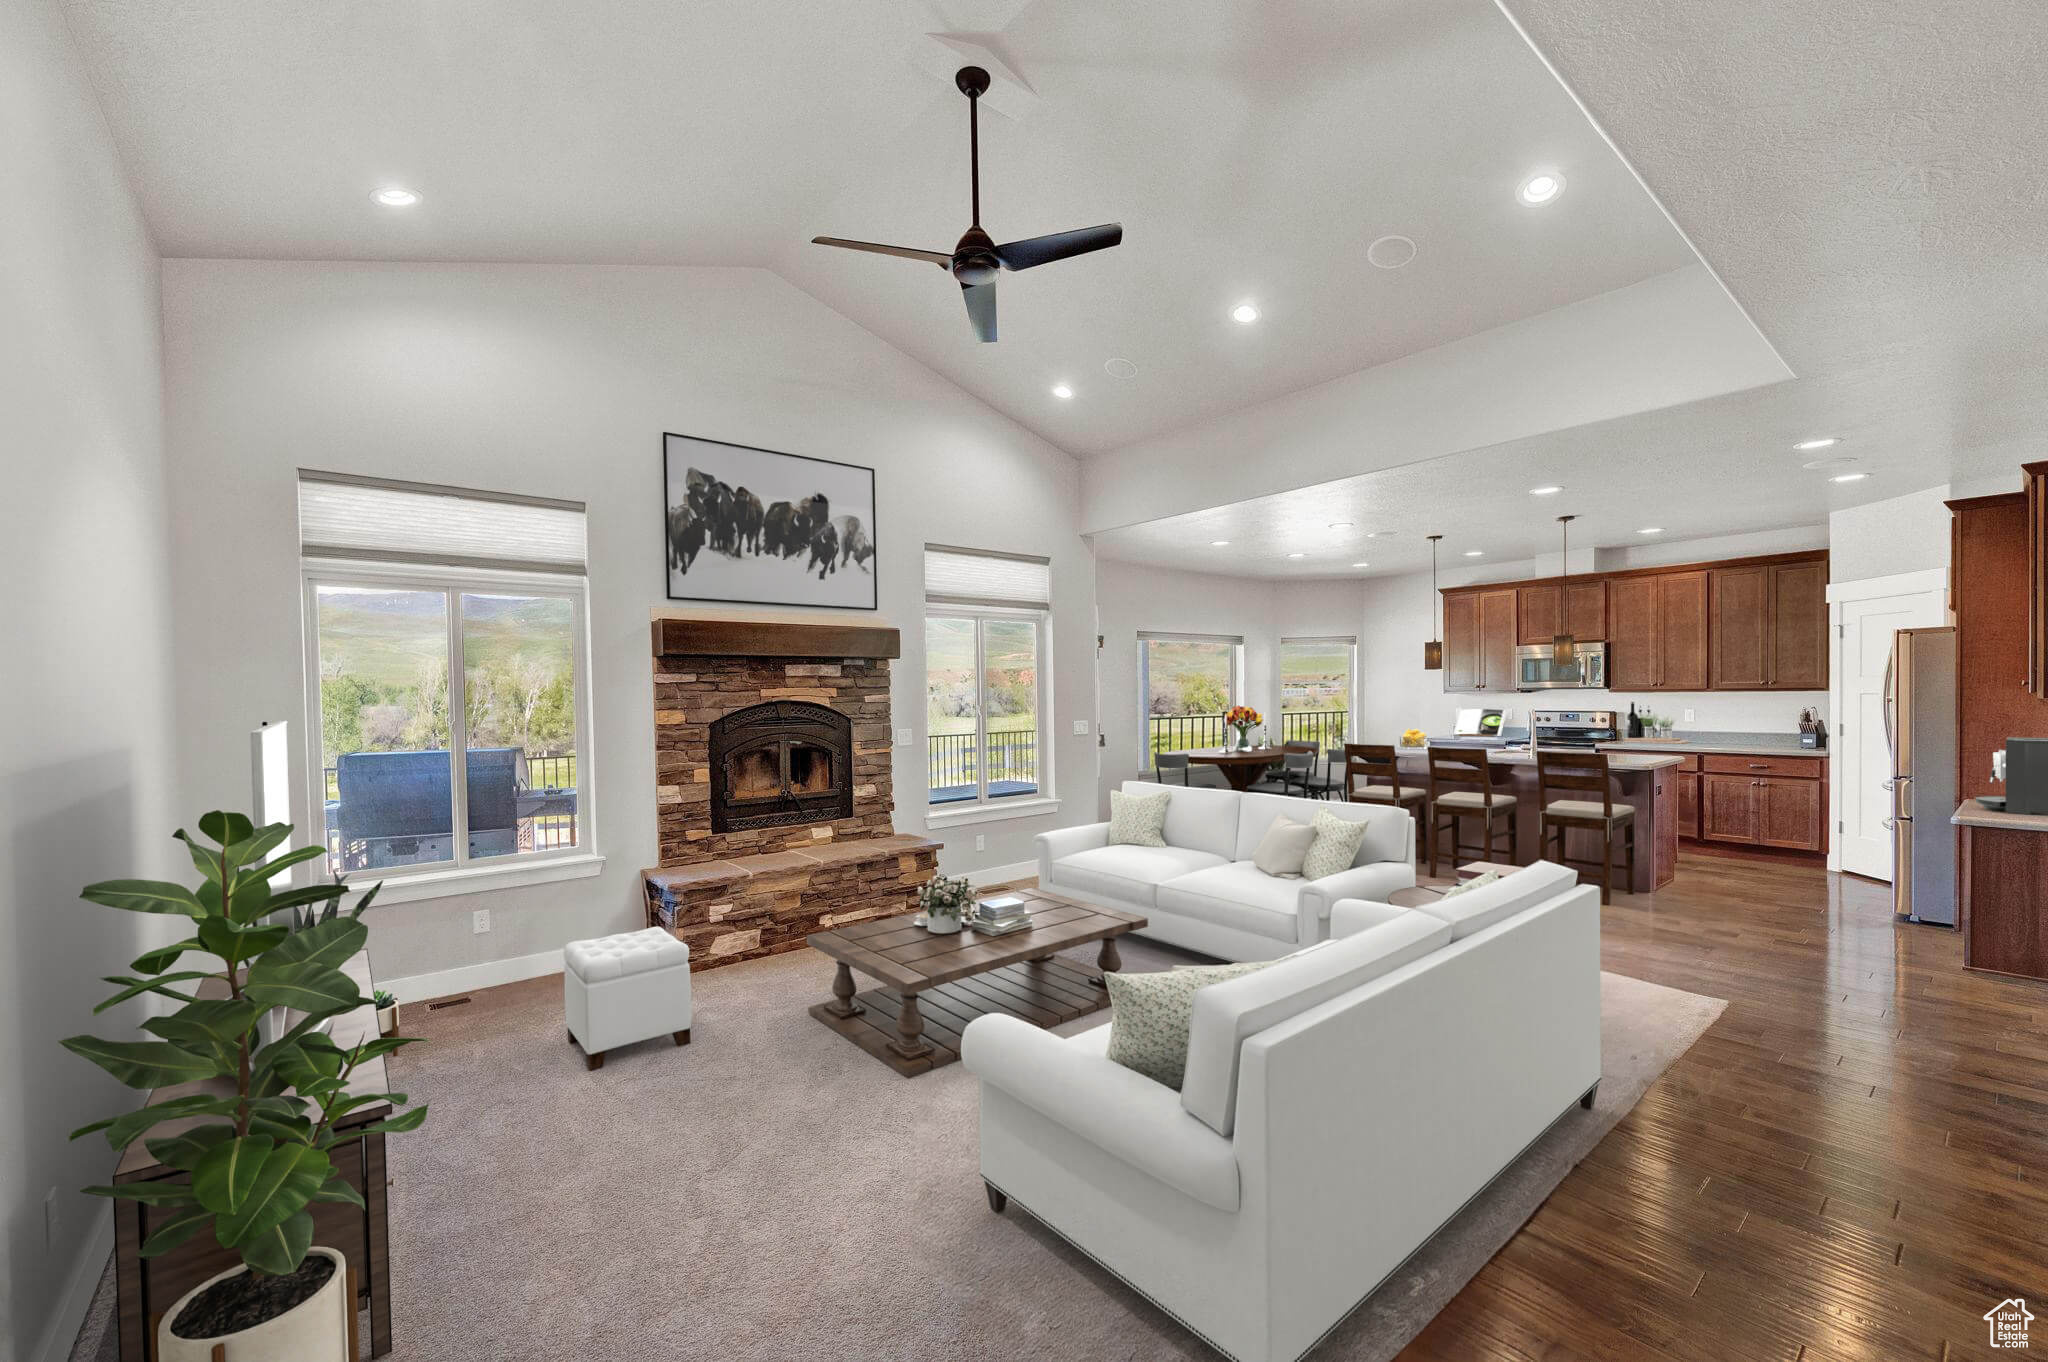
998, 915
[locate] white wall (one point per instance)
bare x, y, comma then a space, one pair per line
86, 624
1398, 694
1134, 599
1908, 533
558, 381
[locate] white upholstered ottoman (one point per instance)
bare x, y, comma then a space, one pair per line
619, 989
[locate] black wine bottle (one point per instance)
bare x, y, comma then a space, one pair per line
1635, 723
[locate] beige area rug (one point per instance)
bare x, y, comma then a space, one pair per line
772, 1192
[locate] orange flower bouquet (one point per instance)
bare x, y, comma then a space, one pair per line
1244, 719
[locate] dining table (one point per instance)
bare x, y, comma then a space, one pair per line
1239, 765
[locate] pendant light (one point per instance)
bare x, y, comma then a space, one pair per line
1563, 647
1433, 651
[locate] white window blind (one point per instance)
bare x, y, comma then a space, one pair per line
342, 516
974, 577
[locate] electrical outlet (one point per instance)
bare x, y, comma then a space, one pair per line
50, 1219
980, 842
1688, 716
1080, 728
480, 921
903, 737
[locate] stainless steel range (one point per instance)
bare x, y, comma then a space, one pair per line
1583, 729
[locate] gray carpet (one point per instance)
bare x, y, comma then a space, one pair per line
773, 1192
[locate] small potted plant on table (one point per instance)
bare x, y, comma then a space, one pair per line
387, 1012
256, 1161
945, 901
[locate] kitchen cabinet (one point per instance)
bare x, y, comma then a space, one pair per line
1687, 778
1988, 567
1657, 631
1768, 626
2003, 872
1764, 801
1682, 618
2037, 579
1497, 640
1461, 642
1579, 606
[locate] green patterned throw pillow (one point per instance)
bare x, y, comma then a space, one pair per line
1150, 1015
1138, 820
1336, 845
1475, 882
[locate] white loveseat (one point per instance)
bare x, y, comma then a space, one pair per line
1339, 1107
1201, 890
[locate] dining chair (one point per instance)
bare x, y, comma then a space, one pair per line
1297, 769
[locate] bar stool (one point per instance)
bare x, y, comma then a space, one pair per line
1469, 767
1584, 772
1365, 763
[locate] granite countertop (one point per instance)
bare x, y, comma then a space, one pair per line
1723, 744
1972, 814
1652, 760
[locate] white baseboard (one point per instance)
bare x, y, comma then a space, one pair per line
85, 1279
418, 988
1002, 874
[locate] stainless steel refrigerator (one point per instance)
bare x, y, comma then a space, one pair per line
1920, 729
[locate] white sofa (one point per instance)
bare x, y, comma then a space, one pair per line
1338, 1108
1201, 890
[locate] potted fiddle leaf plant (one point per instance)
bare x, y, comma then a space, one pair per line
256, 1118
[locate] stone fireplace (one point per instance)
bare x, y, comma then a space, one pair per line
773, 786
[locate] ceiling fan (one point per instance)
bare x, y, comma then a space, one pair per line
976, 260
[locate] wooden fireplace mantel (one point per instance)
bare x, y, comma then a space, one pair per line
772, 638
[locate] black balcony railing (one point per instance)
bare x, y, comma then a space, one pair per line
545, 813
953, 763
1187, 732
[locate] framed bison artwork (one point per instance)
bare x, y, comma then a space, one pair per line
745, 524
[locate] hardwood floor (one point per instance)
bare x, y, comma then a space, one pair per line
1851, 1164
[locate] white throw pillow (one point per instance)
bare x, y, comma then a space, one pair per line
1284, 848
1138, 820
1150, 1014
1488, 877
1336, 845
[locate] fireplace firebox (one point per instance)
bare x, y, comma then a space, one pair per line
780, 763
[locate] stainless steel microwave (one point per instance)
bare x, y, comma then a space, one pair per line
1537, 667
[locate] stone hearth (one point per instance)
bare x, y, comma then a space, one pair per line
756, 890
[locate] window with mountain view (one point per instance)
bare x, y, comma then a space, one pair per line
987, 711
1315, 689
412, 663
1186, 684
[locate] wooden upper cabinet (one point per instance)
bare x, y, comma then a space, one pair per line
1634, 647
2037, 578
1579, 606
1682, 625
1799, 626
1461, 641
1497, 640
1739, 606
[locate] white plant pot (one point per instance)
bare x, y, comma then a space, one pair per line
387, 1020
314, 1330
943, 926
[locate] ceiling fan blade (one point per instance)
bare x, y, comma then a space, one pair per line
981, 308
907, 252
1043, 250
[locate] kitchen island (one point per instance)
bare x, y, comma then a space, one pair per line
1643, 780
2003, 913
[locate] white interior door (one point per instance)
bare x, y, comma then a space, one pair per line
1867, 614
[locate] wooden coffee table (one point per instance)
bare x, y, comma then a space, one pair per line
933, 985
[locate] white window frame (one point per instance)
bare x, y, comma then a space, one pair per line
1146, 638
984, 807
1350, 686
464, 874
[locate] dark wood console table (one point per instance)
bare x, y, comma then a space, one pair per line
149, 1286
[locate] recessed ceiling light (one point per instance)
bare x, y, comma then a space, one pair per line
1119, 367
1361, 565
1297, 555
1651, 529
1544, 491
1218, 543
1475, 553
1390, 252
1848, 477
1541, 188
1245, 313
1340, 524
396, 196
1062, 392
1822, 443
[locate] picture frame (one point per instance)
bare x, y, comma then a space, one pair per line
745, 525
